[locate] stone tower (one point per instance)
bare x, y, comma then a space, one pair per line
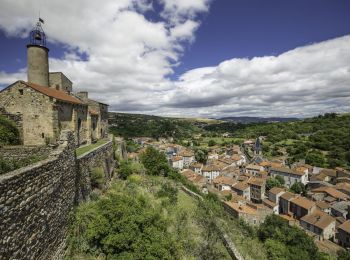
38, 58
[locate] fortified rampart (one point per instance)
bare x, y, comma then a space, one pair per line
23, 152
36, 201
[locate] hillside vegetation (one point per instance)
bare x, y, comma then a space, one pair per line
9, 134
147, 216
323, 141
134, 125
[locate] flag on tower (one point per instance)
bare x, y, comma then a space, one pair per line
41, 20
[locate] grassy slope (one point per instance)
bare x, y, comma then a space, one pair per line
86, 148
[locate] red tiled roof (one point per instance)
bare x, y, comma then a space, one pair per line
57, 94
318, 219
345, 226
303, 202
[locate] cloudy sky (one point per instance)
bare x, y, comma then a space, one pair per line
202, 58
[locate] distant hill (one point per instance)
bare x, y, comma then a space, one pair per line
136, 125
248, 119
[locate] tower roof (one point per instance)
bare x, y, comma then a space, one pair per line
37, 35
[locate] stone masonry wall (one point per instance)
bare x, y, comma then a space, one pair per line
101, 156
36, 201
22, 152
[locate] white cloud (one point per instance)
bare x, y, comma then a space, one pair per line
130, 57
301, 82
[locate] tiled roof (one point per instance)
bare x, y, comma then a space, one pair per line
276, 190
288, 195
241, 186
240, 208
331, 192
269, 203
257, 181
176, 158
303, 202
253, 167
319, 219
345, 226
286, 170
322, 205
196, 165
57, 94
224, 180
210, 168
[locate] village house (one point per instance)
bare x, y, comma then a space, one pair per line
290, 176
274, 195
242, 189
319, 194
223, 183
340, 209
252, 214
47, 104
323, 206
284, 203
319, 223
300, 207
177, 162
196, 179
344, 234
196, 167
257, 189
210, 171
343, 187
253, 169
188, 157
238, 160
271, 205
268, 165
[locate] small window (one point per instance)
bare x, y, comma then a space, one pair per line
20, 91
57, 87
42, 135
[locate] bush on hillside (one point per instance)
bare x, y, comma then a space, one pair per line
9, 134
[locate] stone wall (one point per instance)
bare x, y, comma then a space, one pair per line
23, 152
36, 201
100, 157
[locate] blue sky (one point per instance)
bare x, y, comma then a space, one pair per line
192, 58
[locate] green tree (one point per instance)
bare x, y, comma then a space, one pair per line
155, 162
168, 191
343, 255
211, 142
298, 188
113, 227
125, 170
9, 134
272, 182
201, 155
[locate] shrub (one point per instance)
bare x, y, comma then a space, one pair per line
9, 134
97, 177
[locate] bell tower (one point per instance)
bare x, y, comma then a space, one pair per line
38, 56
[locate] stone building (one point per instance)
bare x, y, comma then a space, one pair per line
47, 105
